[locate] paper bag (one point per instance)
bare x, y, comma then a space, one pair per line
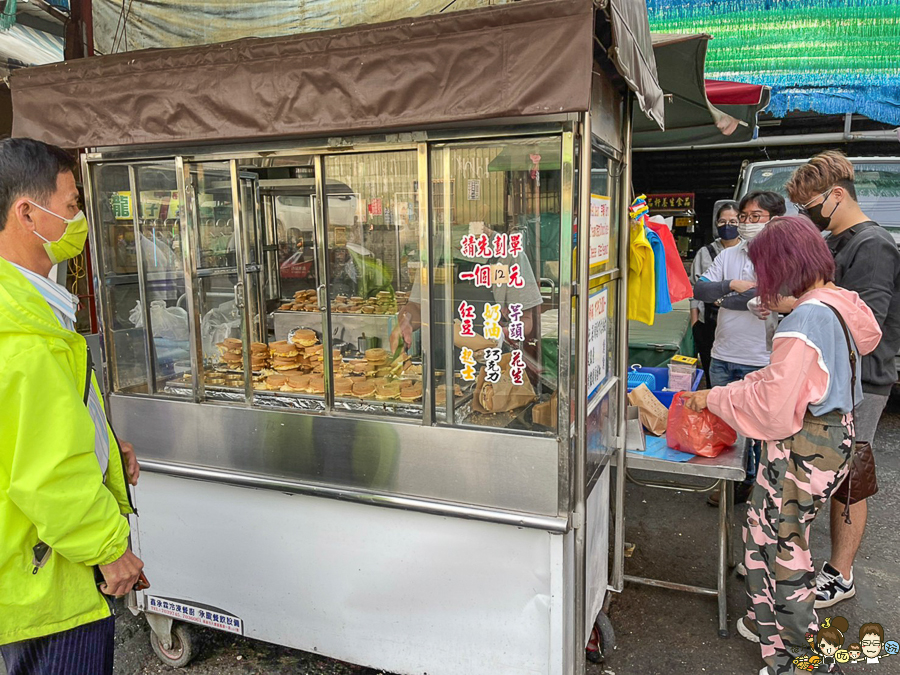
546, 413
502, 396
654, 415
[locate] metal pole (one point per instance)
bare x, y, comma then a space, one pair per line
97, 270
187, 222
792, 139
567, 347
724, 535
618, 572
426, 234
239, 234
322, 280
449, 280
579, 470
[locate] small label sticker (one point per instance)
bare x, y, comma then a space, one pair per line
205, 616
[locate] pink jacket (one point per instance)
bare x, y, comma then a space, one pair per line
770, 403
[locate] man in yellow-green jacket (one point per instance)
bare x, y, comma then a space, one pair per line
63, 475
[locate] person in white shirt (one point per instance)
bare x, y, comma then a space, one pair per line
741, 343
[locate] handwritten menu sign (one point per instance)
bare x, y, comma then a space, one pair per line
597, 331
487, 275
599, 230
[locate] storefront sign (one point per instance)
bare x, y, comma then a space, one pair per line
599, 230
204, 616
682, 201
597, 332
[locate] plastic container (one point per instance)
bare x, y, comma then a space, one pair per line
636, 378
662, 381
681, 375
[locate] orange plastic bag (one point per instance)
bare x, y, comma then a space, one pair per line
700, 433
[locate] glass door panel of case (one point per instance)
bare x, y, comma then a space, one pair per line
495, 322
113, 222
158, 211
278, 216
218, 286
214, 207
373, 255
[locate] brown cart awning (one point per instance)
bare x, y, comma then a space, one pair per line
528, 58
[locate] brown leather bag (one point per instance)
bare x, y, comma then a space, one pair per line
861, 482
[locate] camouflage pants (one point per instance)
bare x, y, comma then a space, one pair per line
795, 479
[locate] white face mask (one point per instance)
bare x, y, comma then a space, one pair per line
748, 230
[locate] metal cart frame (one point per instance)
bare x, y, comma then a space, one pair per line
407, 545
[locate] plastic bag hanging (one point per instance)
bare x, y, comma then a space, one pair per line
642, 275
678, 280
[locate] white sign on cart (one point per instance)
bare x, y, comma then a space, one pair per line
598, 316
599, 230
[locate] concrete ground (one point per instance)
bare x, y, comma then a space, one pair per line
661, 631
658, 631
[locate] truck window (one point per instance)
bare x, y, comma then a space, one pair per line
877, 187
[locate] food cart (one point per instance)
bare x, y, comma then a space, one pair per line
268, 217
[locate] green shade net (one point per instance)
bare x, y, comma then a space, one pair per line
826, 56
8, 15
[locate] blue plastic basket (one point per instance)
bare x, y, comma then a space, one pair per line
636, 378
662, 381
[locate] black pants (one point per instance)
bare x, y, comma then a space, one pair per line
85, 650
704, 336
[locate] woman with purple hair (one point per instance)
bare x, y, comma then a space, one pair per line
801, 404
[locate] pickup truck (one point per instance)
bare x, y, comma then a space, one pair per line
877, 188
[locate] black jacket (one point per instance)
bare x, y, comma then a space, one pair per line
867, 261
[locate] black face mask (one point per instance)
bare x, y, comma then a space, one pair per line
814, 213
727, 232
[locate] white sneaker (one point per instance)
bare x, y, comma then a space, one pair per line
745, 628
831, 587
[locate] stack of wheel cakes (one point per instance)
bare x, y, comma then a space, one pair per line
383, 302
299, 368
232, 355
231, 363
304, 301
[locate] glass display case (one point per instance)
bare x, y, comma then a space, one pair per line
312, 282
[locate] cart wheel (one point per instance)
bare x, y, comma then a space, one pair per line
180, 653
605, 639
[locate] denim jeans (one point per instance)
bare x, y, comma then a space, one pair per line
725, 372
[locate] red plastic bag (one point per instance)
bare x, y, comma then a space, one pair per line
679, 282
700, 433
